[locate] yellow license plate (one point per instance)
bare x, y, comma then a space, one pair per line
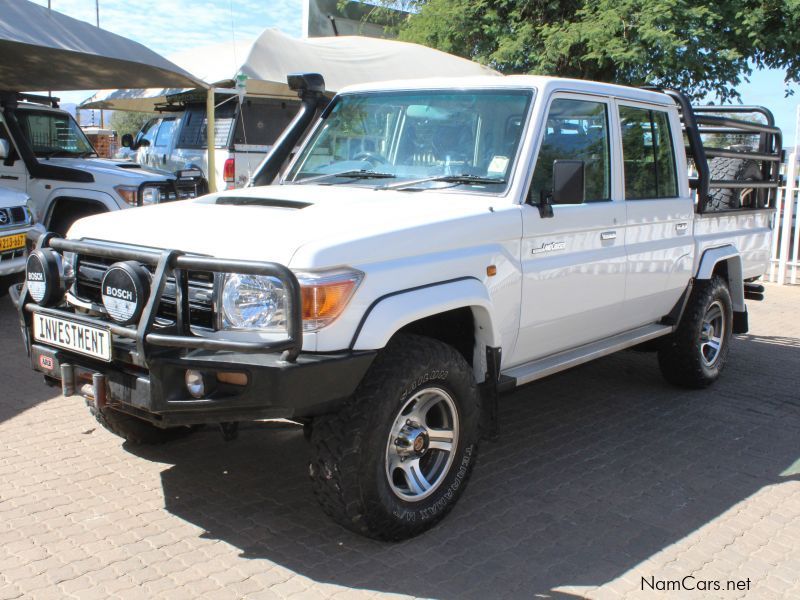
12, 242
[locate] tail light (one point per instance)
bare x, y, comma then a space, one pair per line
229, 171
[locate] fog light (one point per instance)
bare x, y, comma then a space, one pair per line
195, 384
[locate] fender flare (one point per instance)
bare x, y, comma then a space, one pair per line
730, 255
391, 312
98, 197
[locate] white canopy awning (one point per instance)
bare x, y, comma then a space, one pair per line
343, 61
42, 49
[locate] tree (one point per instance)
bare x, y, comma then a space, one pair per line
129, 122
697, 47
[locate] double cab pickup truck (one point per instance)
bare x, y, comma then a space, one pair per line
430, 245
45, 154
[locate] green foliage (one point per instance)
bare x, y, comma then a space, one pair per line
129, 122
698, 47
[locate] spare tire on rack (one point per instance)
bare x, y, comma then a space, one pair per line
733, 169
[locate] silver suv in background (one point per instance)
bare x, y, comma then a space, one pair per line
177, 139
45, 154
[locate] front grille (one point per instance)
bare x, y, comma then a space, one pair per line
90, 270
14, 216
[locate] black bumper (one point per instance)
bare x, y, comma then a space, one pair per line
312, 385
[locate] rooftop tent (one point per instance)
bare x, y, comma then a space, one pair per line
341, 60
43, 49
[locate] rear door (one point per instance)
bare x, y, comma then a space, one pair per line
659, 212
162, 145
573, 263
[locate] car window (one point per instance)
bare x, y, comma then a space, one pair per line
261, 121
648, 154
421, 134
165, 132
148, 132
195, 124
575, 130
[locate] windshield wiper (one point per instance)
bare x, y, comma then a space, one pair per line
349, 175
464, 178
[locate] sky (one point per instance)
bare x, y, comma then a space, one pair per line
171, 26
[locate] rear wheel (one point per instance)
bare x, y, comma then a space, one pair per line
393, 462
695, 354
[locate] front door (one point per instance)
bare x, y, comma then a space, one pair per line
574, 264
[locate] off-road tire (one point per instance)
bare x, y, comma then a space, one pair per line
680, 357
733, 169
348, 471
137, 431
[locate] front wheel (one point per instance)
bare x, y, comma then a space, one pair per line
393, 462
696, 353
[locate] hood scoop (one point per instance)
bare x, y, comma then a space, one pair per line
268, 202
128, 165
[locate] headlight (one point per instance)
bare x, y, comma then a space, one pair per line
31, 208
253, 302
151, 195
129, 193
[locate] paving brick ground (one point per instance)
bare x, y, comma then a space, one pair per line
602, 476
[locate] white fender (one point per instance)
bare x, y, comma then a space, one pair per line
393, 312
728, 253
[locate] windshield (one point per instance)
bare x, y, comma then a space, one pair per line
53, 134
466, 137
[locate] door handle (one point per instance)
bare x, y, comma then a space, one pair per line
681, 227
608, 235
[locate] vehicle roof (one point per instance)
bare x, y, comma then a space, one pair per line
541, 83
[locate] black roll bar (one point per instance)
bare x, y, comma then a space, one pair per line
178, 264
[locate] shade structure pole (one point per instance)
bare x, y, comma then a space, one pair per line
210, 138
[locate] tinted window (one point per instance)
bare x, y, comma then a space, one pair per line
165, 132
576, 130
262, 121
193, 132
648, 154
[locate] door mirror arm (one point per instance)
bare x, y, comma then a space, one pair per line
545, 204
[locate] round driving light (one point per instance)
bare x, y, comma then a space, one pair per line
124, 290
195, 384
43, 277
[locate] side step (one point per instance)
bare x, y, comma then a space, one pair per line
549, 365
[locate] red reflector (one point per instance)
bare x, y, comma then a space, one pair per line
46, 362
229, 170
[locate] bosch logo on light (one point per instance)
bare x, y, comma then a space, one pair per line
34, 276
119, 293
125, 287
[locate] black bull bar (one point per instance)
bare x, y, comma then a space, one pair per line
177, 264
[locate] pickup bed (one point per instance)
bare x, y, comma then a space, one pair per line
431, 244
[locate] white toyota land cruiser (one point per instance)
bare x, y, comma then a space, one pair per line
432, 244
44, 153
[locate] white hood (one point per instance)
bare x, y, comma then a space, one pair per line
123, 172
10, 198
338, 224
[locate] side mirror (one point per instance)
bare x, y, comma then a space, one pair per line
127, 141
568, 182
5, 149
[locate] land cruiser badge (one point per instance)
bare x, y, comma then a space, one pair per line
549, 247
